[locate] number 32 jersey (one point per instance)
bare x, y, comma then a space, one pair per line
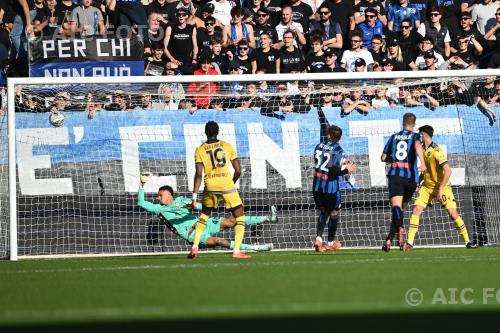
401, 147
216, 157
326, 155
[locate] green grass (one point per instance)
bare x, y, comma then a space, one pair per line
278, 288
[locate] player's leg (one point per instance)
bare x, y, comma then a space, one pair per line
409, 189
333, 222
448, 201
396, 203
230, 222
319, 199
209, 202
233, 202
423, 199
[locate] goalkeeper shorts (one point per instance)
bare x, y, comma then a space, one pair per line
213, 227
426, 195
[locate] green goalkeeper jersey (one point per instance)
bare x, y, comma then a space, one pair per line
178, 214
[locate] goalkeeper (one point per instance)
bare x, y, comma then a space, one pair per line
435, 185
176, 214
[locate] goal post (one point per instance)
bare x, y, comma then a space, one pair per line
72, 181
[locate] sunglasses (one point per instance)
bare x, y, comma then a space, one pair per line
234, 69
324, 13
355, 40
466, 18
243, 48
497, 14
261, 15
370, 16
181, 15
210, 23
405, 27
330, 55
435, 14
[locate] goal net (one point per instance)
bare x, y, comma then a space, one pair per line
81, 144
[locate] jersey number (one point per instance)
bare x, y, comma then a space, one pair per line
401, 150
320, 164
217, 157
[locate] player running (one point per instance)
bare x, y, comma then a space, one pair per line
330, 165
436, 184
214, 157
177, 216
401, 151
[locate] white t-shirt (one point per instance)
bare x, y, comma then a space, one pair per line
222, 11
484, 16
349, 57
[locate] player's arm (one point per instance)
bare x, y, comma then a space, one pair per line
386, 157
446, 177
420, 154
237, 170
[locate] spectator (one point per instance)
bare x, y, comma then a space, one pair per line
398, 12
222, 10
219, 61
252, 8
48, 19
301, 13
355, 52
21, 28
284, 102
425, 44
286, 24
450, 10
262, 25
266, 57
355, 101
329, 28
203, 35
377, 48
162, 8
94, 103
315, 58
243, 58
360, 65
181, 46
381, 100
470, 59
370, 27
156, 31
61, 102
387, 64
406, 37
203, 92
330, 58
422, 97
484, 15
493, 34
360, 12
467, 28
192, 9
430, 61
238, 30
121, 102
423, 7
439, 33
166, 99
342, 13
399, 60
145, 102
87, 20
155, 65
290, 55
130, 13
265, 89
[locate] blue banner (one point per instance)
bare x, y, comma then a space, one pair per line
88, 138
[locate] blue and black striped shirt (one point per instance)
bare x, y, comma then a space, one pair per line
327, 154
401, 148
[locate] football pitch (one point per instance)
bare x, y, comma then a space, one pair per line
441, 289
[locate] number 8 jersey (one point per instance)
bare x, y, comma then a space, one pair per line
216, 157
401, 147
326, 155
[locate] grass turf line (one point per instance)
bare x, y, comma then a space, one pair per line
213, 286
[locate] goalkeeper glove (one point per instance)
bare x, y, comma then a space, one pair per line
146, 176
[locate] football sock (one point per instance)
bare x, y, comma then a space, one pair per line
396, 221
249, 220
413, 228
239, 232
332, 227
243, 246
321, 224
200, 227
462, 230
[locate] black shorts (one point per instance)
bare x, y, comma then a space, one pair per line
327, 201
399, 186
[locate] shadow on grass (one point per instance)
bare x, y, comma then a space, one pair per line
403, 322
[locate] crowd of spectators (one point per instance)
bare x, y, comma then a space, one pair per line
242, 37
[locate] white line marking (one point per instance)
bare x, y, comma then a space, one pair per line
255, 263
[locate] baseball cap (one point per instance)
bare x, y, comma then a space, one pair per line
392, 41
263, 9
427, 129
386, 61
329, 51
208, 8
465, 14
429, 54
234, 64
182, 10
360, 62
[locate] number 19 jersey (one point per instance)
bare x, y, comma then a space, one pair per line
216, 157
401, 147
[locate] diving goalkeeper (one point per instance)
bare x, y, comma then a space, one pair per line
436, 184
176, 214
